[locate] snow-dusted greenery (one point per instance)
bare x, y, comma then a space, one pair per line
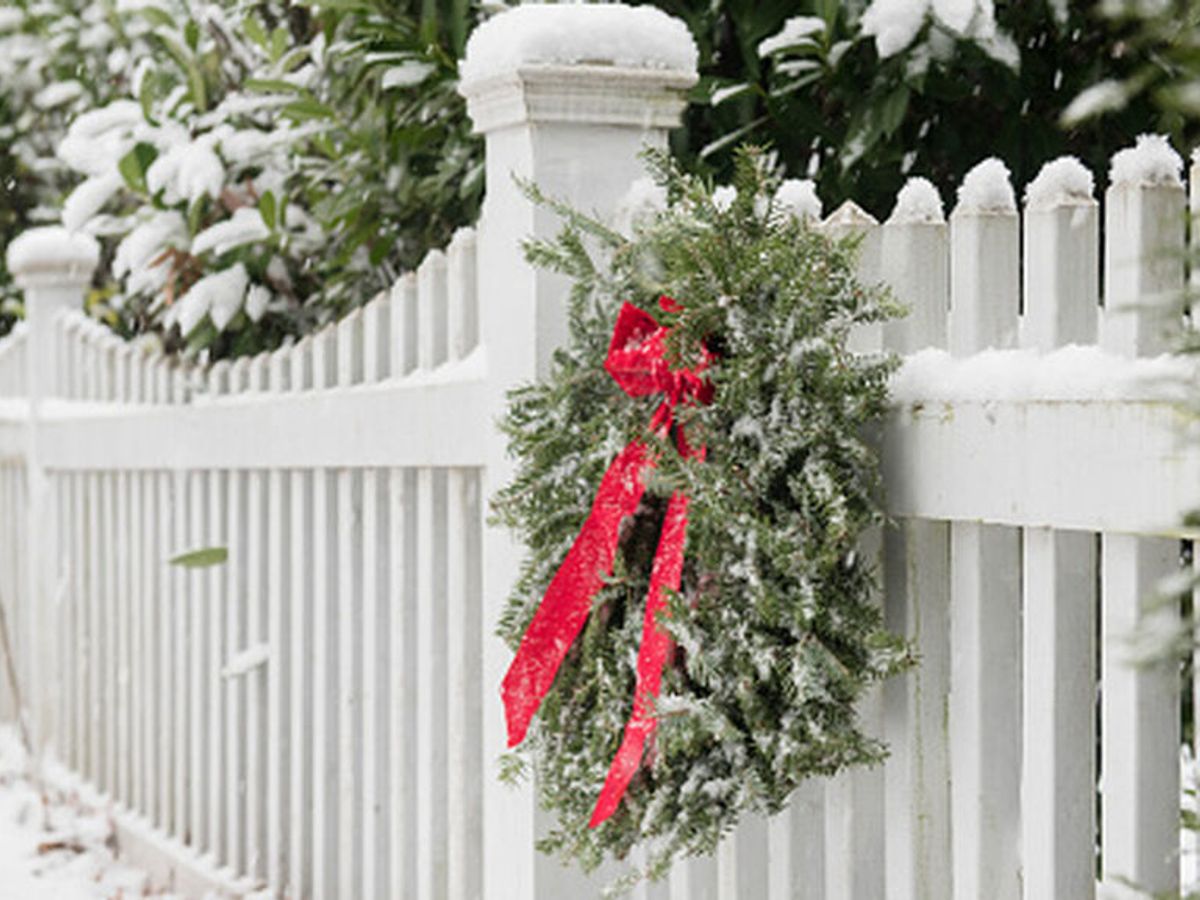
58, 58
263, 166
861, 95
777, 631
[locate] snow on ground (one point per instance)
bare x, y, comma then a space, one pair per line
52, 846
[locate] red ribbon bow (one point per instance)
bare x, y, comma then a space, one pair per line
637, 362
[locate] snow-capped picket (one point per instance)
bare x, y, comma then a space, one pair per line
917, 203
1151, 161
1060, 181
798, 196
609, 34
987, 188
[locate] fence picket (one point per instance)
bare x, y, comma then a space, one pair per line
850, 825
742, 860
795, 849
914, 261
301, 566
281, 614
1140, 722
199, 728
1058, 774
350, 367
464, 636
402, 681
325, 844
985, 679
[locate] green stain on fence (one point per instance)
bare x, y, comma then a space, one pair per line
200, 559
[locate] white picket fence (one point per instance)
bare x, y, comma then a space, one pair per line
319, 714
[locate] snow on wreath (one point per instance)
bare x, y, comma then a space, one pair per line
692, 484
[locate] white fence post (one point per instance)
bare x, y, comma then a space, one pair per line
575, 131
53, 267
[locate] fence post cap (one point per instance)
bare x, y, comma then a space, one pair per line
604, 64
53, 255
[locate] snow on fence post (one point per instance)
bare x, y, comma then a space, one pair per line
53, 268
1058, 771
1140, 722
985, 615
575, 130
914, 262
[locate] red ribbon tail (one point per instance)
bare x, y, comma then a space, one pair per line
568, 599
652, 658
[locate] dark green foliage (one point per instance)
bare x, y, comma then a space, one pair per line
777, 627
934, 109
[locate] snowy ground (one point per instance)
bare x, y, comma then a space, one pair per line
52, 846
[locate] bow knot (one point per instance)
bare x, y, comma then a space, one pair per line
637, 361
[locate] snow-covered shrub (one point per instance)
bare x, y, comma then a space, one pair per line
267, 166
861, 94
58, 58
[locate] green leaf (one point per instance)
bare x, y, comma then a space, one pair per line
201, 559
191, 34
894, 108
279, 43
156, 16
272, 86
133, 166
146, 95
266, 209
308, 108
254, 31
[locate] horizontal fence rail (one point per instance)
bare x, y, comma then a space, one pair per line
313, 710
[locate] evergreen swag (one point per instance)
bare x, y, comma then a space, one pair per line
776, 627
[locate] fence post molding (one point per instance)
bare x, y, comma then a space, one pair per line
574, 130
53, 267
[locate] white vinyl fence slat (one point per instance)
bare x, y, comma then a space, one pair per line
431, 685
402, 682
349, 630
742, 860
198, 658
985, 615
281, 613
301, 640
1061, 280
915, 263
324, 650
464, 633
850, 828
1140, 721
